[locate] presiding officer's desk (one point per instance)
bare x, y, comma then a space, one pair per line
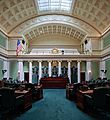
54, 82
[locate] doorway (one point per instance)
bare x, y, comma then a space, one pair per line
26, 76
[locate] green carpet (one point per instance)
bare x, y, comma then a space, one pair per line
54, 106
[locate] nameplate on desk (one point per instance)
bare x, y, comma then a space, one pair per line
19, 91
86, 92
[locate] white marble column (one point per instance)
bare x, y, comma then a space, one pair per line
40, 71
88, 71
50, 69
20, 70
6, 69
78, 66
59, 68
102, 69
30, 71
69, 71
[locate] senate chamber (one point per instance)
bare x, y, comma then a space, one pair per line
54, 59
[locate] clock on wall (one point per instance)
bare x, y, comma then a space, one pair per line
55, 51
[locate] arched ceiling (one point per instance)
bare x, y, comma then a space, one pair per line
91, 17
46, 19
54, 29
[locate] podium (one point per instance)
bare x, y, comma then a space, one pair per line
54, 82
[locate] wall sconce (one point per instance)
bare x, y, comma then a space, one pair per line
3, 71
104, 71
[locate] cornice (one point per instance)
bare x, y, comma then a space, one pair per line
55, 57
3, 55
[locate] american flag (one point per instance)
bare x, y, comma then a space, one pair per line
19, 47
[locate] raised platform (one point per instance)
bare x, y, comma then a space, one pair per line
54, 82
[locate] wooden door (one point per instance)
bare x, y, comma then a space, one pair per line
82, 76
26, 76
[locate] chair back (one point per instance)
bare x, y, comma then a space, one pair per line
99, 96
8, 98
30, 85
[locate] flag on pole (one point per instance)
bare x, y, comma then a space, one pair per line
23, 46
19, 47
23, 41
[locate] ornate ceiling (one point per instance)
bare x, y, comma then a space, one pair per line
21, 17
95, 12
53, 28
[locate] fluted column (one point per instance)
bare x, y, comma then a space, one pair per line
59, 68
30, 71
40, 71
20, 71
69, 71
78, 66
88, 71
102, 69
50, 69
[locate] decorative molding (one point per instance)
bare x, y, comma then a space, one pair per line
55, 51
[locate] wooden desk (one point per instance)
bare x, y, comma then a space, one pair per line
80, 98
54, 82
108, 102
86, 92
39, 92
0, 99
69, 92
27, 98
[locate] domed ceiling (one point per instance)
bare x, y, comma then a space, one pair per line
76, 18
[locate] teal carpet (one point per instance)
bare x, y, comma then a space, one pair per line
54, 106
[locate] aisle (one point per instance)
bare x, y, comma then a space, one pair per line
54, 106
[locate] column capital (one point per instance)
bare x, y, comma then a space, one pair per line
88, 60
39, 60
69, 60
30, 61
78, 60
49, 60
59, 60
20, 60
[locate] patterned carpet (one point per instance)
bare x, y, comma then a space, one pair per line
54, 106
